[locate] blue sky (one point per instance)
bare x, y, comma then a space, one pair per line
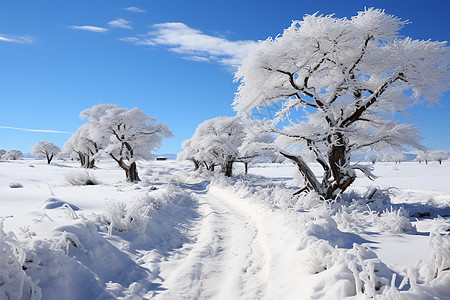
172, 59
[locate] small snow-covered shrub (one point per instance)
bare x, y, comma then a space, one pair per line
80, 178
370, 274
321, 256
440, 259
358, 271
123, 216
14, 282
352, 220
308, 201
15, 185
395, 221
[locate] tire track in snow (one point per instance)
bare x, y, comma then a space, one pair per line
226, 261
241, 249
243, 257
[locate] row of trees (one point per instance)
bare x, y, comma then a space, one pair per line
422, 156
122, 134
42, 149
348, 76
426, 156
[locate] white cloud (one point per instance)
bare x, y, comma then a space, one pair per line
120, 23
135, 9
16, 39
89, 28
34, 130
193, 44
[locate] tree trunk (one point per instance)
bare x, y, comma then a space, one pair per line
49, 159
91, 164
227, 168
339, 162
311, 182
82, 158
246, 168
338, 173
88, 163
130, 171
132, 174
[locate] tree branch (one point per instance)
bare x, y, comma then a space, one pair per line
371, 100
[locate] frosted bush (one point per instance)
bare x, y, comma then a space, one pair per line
359, 271
440, 259
353, 220
66, 240
122, 217
321, 256
14, 282
308, 201
395, 221
80, 178
370, 274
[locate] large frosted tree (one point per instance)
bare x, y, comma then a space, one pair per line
348, 76
130, 134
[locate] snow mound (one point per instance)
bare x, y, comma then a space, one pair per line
52, 203
15, 185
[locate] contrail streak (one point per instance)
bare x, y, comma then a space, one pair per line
35, 130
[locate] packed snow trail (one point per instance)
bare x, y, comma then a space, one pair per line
242, 250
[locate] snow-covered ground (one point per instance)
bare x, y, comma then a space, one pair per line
179, 234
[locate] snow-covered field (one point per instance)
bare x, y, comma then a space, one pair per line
179, 234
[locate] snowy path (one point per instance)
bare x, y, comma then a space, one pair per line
242, 250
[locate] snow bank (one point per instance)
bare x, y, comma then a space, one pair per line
156, 219
14, 282
343, 262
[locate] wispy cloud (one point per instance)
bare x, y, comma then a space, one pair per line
193, 44
135, 9
34, 130
120, 23
16, 39
89, 28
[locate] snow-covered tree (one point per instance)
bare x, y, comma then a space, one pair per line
45, 150
373, 157
2, 151
349, 76
424, 155
84, 146
222, 141
439, 156
393, 156
215, 143
130, 134
13, 155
